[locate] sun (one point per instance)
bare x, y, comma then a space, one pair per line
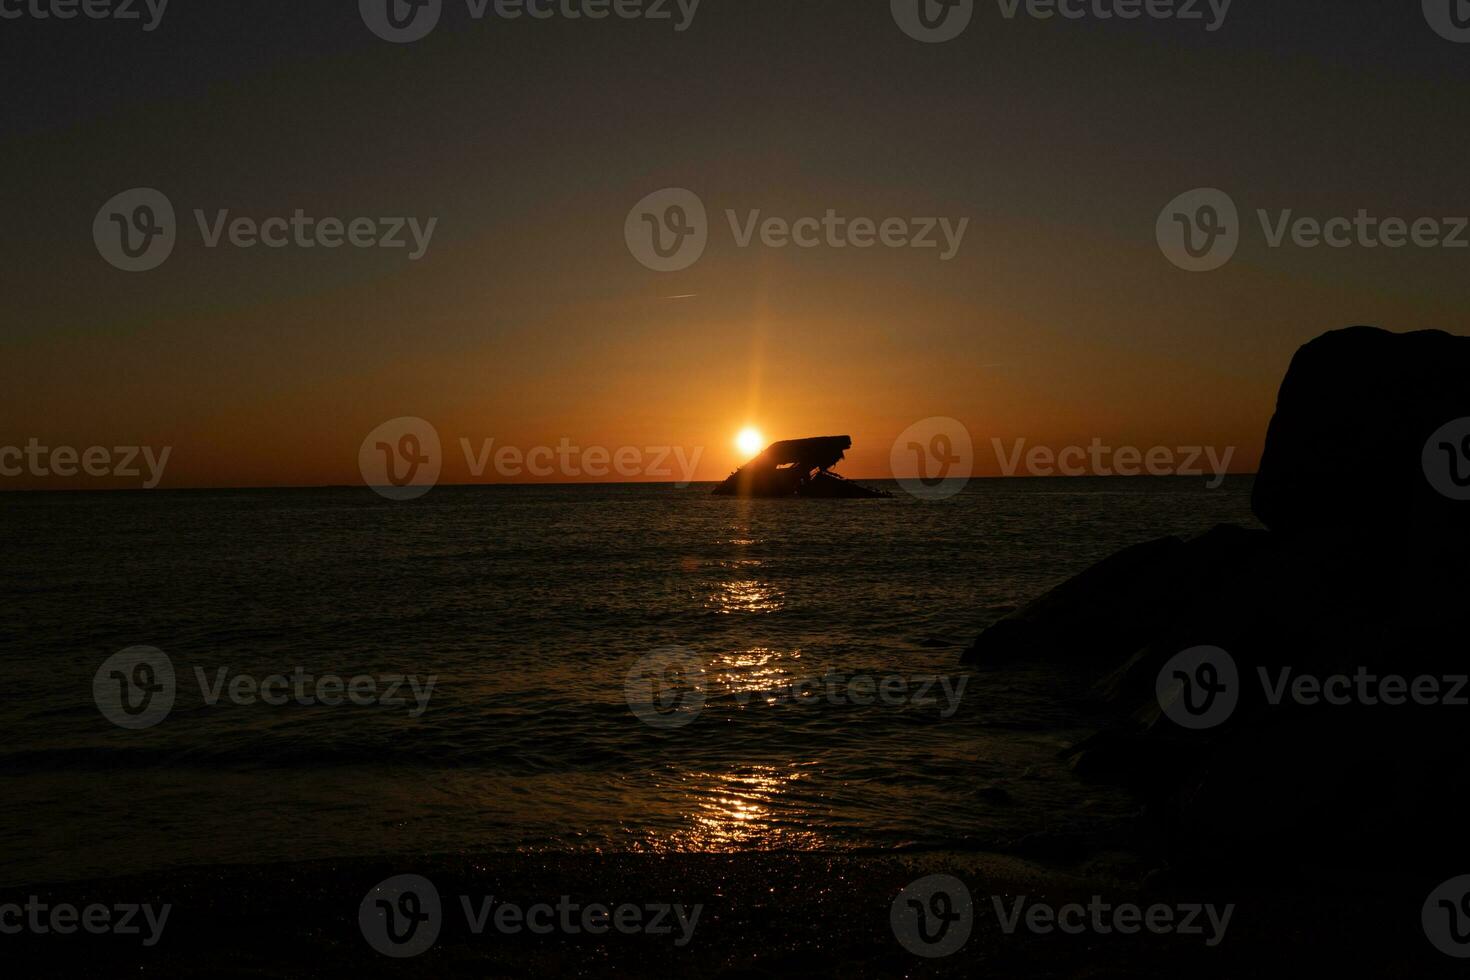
750, 441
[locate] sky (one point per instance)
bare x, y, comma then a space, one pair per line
529, 320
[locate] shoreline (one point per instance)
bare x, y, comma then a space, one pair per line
761, 913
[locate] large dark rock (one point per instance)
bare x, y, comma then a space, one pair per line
1365, 568
1345, 448
1121, 603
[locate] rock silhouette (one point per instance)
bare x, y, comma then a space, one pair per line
1341, 625
1345, 448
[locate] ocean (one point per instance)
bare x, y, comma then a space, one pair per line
832, 712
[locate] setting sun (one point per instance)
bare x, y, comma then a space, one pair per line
750, 441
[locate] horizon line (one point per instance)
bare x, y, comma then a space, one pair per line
580, 483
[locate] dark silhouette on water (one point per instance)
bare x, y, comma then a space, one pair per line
796, 468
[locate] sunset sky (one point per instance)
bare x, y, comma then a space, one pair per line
529, 321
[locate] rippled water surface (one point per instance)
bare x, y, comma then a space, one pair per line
529, 606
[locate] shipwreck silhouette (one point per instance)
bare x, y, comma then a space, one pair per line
796, 468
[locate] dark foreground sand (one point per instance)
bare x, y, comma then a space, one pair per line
765, 914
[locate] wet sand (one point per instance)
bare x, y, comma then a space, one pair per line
763, 914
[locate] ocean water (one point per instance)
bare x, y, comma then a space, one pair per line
530, 607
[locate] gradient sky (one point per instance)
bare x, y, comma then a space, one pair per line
528, 321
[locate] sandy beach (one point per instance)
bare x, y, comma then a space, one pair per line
762, 914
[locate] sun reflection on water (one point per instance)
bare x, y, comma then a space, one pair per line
748, 809
758, 671
745, 595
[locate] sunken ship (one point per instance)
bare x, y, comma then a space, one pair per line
796, 468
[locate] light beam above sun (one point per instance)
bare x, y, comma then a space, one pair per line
750, 441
